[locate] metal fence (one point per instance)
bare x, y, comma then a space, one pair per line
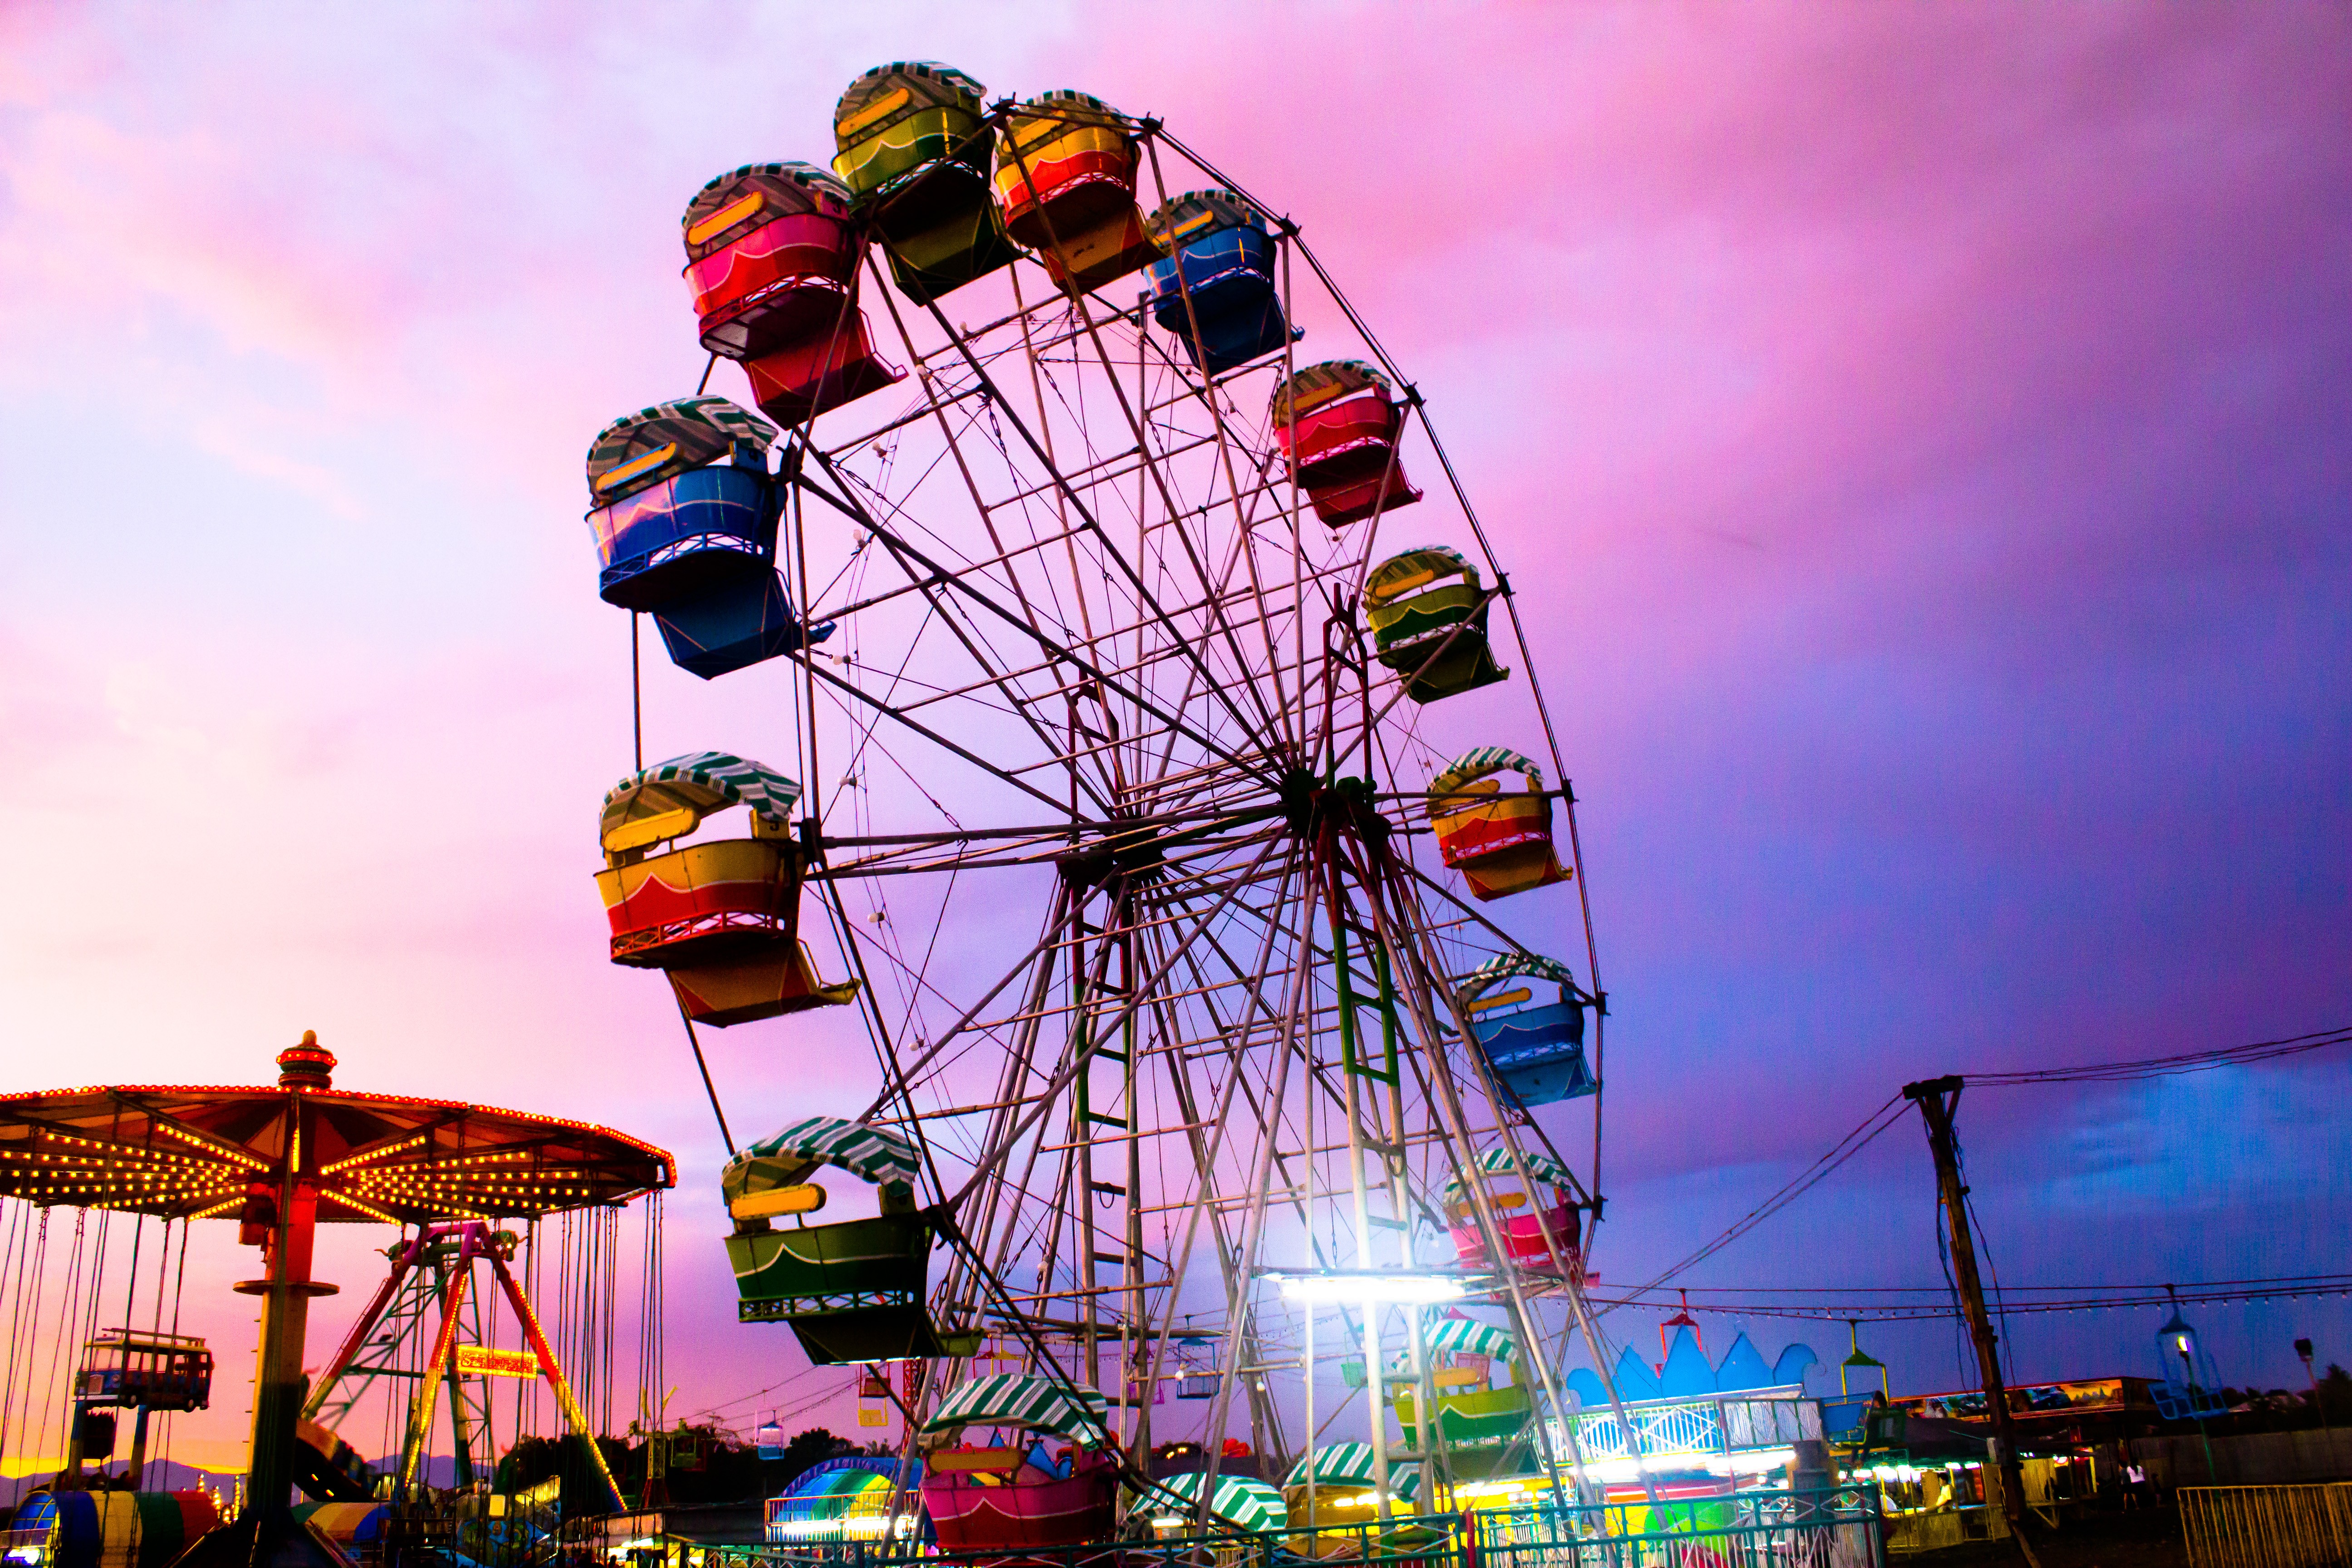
2268, 1527
1836, 1527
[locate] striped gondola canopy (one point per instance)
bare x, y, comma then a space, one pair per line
741, 200
871, 1154
1415, 568
1244, 1501
1030, 1403
1498, 1163
671, 798
1351, 1465
1196, 215
639, 450
1534, 965
1474, 766
1326, 383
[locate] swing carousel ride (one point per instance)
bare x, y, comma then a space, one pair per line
1176, 744
280, 1161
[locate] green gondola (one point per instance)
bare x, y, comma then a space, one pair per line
1430, 630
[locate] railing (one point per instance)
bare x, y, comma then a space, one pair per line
2268, 1527
1700, 1427
1836, 1527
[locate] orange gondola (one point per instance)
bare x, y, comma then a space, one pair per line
1066, 184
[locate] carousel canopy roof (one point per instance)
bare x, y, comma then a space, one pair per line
1498, 1163
1016, 1401
639, 450
1244, 1501
671, 798
872, 1153
188, 1152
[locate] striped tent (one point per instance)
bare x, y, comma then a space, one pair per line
1011, 1400
1242, 1501
1350, 1465
883, 1158
1472, 766
673, 797
1498, 1163
1535, 965
641, 449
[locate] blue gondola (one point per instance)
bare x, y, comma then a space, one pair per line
685, 523
1222, 257
1535, 1050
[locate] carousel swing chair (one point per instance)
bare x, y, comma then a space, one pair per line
1065, 168
1339, 422
1427, 611
853, 1290
1478, 1424
1500, 842
914, 155
721, 916
683, 516
1219, 278
1017, 1495
1530, 1238
772, 262
1535, 1050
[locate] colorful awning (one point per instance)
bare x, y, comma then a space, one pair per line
1013, 1400
741, 200
888, 94
872, 1153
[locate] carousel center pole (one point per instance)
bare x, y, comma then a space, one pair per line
280, 1216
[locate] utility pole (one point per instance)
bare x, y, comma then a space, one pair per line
1936, 1100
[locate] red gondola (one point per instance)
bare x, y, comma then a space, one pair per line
1339, 422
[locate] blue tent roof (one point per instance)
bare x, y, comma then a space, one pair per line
1791, 1367
1634, 1378
1688, 1374
1743, 1367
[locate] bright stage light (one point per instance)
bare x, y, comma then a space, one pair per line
1367, 1287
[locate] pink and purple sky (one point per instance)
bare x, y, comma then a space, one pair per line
1926, 427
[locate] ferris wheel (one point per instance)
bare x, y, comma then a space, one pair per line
1138, 739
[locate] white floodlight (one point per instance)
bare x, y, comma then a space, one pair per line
1367, 1287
